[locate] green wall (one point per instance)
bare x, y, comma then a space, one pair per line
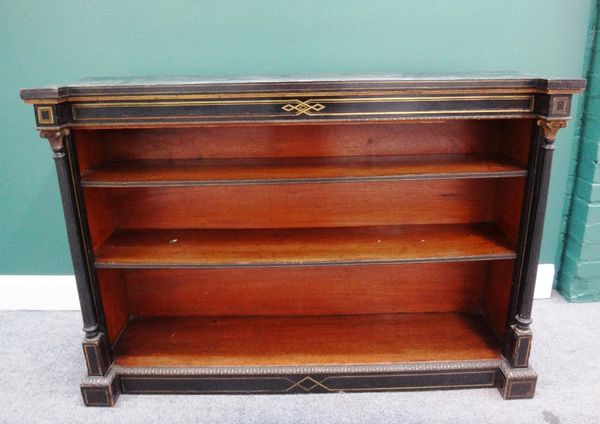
44, 42
579, 280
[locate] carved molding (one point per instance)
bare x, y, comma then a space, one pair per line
415, 367
56, 138
550, 128
517, 373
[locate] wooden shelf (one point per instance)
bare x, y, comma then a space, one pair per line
321, 340
142, 248
297, 170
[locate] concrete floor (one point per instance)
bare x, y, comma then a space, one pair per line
41, 365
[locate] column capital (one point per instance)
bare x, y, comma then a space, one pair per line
551, 128
56, 139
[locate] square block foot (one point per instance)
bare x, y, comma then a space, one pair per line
100, 391
516, 383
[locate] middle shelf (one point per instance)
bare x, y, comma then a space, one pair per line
223, 248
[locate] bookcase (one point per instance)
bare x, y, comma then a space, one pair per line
302, 235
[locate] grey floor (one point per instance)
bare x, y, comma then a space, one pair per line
41, 365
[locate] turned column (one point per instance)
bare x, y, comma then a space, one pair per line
544, 162
519, 345
94, 345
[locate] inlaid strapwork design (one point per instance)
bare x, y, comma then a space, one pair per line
303, 108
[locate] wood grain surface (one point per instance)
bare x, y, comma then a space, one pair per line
308, 246
331, 290
295, 170
300, 205
325, 340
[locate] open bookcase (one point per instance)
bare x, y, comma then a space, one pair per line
291, 236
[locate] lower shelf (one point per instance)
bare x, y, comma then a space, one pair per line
303, 340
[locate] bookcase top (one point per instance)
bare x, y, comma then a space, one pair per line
255, 84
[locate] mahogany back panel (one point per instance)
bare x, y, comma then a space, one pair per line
332, 290
308, 140
300, 205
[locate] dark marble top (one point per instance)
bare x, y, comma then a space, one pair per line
176, 85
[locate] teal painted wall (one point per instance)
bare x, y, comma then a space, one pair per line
579, 280
44, 42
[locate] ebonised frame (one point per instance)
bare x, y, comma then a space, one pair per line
190, 102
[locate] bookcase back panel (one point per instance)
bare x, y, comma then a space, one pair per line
508, 138
330, 290
301, 205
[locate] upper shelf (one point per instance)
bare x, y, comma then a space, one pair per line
296, 170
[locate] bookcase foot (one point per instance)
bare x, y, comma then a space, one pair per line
516, 383
101, 391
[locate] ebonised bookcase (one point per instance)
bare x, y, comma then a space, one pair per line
304, 235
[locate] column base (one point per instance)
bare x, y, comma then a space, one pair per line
518, 347
97, 355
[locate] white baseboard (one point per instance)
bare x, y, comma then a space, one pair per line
38, 292
544, 281
58, 292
